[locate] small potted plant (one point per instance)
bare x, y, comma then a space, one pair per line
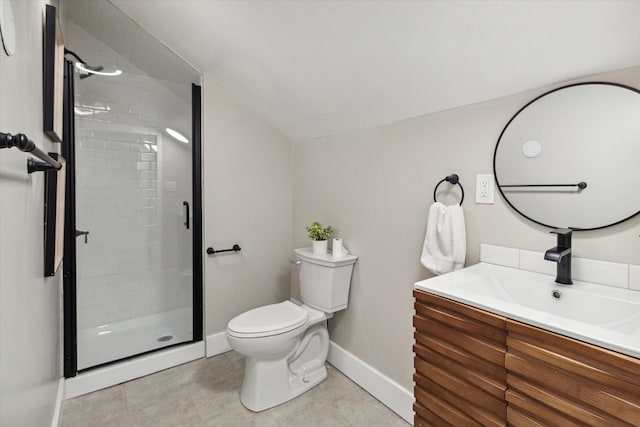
319, 235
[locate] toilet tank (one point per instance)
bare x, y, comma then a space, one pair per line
324, 280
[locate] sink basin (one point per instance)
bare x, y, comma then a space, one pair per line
601, 315
583, 305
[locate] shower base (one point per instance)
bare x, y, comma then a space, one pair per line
130, 369
119, 340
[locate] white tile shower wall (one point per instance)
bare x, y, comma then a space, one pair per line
124, 271
119, 269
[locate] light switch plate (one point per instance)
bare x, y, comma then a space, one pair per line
485, 189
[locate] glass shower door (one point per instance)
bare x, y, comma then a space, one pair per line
134, 291
133, 200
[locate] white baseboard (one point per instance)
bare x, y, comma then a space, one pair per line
387, 391
217, 344
56, 421
136, 367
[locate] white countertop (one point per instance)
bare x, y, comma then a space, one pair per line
605, 316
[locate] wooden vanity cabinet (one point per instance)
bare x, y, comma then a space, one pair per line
474, 368
558, 381
460, 379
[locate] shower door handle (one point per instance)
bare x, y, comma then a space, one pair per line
186, 206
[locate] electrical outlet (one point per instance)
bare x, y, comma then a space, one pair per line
485, 189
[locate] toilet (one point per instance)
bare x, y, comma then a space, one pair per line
286, 344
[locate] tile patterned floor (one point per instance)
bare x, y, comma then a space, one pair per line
206, 393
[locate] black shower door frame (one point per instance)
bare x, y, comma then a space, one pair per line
70, 341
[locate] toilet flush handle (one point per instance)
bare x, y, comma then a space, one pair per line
296, 262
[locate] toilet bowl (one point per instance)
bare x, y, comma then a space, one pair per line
285, 344
285, 358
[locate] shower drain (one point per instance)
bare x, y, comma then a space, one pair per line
165, 338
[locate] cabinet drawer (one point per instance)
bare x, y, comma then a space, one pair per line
574, 382
460, 351
490, 327
474, 368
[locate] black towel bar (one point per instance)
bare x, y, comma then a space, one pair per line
452, 179
235, 248
23, 143
581, 185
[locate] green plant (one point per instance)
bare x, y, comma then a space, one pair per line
317, 232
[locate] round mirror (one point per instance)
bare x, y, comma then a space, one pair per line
7, 27
571, 157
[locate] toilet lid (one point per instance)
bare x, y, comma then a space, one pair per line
268, 320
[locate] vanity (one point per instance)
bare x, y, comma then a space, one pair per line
498, 345
495, 346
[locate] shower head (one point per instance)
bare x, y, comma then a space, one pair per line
82, 65
91, 70
88, 70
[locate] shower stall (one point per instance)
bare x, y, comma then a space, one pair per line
136, 285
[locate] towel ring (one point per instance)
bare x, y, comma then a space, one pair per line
452, 179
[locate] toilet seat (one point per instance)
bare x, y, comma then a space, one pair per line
268, 320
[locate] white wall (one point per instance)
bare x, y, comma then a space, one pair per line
247, 200
30, 356
376, 185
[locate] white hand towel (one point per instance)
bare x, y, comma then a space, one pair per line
445, 243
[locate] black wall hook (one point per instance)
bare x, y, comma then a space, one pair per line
452, 179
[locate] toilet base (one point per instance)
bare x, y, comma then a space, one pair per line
281, 367
269, 383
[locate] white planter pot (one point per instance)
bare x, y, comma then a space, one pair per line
319, 247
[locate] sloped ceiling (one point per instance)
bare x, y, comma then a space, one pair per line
315, 68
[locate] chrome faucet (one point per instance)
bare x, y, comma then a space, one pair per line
561, 254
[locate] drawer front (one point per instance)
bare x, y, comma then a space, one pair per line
460, 379
558, 381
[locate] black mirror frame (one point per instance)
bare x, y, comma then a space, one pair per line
495, 151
